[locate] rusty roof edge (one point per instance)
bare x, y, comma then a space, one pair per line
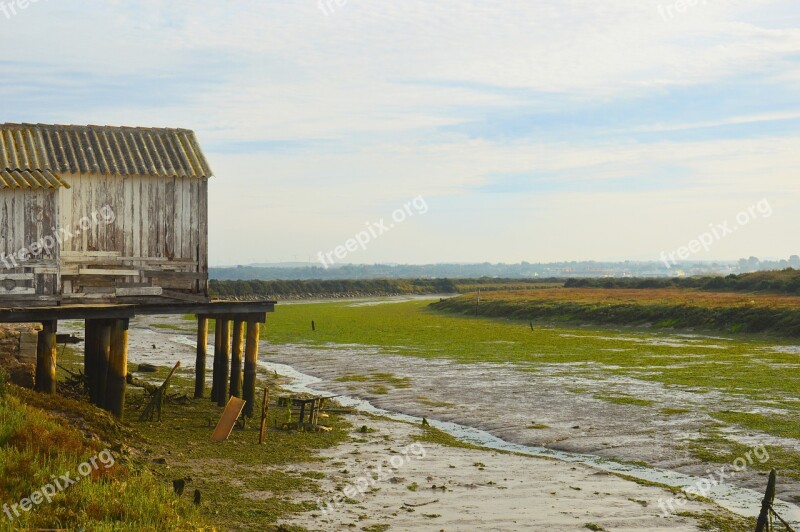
89, 157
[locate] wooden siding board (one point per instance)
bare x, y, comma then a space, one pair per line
169, 218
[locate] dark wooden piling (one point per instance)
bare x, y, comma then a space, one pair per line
250, 365
236, 358
103, 356
224, 356
202, 352
46, 352
91, 356
91, 333
217, 350
117, 367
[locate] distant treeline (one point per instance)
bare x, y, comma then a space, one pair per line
782, 282
366, 287
523, 270
329, 288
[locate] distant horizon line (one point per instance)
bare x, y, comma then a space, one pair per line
314, 264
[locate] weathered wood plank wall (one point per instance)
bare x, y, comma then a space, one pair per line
27, 217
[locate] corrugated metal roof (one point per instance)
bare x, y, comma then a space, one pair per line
30, 179
102, 150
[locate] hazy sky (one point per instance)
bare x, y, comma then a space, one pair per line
534, 130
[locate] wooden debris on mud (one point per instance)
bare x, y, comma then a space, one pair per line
228, 419
158, 397
308, 415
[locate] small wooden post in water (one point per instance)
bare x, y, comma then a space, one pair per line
46, 352
236, 358
264, 412
202, 352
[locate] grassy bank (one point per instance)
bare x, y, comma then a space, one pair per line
661, 307
39, 442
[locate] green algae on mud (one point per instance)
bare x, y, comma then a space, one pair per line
738, 365
743, 368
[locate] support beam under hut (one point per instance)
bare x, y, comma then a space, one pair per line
250, 365
117, 368
236, 358
202, 354
46, 352
222, 355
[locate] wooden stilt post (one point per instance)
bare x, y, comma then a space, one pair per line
250, 364
90, 356
224, 361
103, 347
217, 350
117, 368
46, 351
236, 358
202, 351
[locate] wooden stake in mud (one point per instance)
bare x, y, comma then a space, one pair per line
762, 525
264, 412
236, 358
46, 358
250, 364
117, 368
202, 352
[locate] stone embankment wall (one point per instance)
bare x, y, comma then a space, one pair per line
18, 351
